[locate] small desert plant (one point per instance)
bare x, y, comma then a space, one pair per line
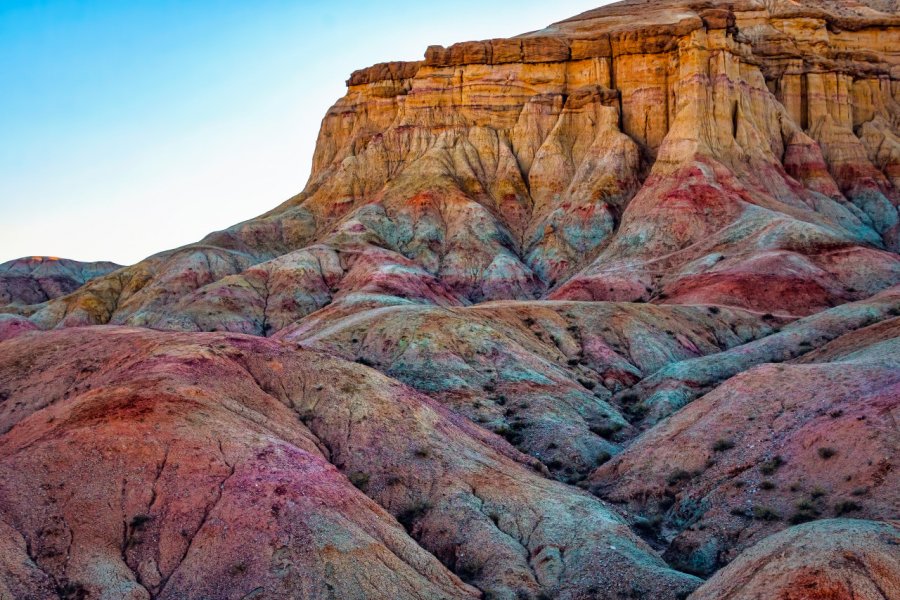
764, 513
637, 411
468, 571
770, 466
408, 517
71, 591
806, 505
846, 506
138, 521
806, 511
678, 475
512, 436
629, 398
603, 458
818, 492
648, 525
667, 501
722, 445
587, 383
826, 452
607, 430
359, 480
801, 517
767, 485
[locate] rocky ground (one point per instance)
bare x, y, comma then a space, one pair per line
601, 311
40, 278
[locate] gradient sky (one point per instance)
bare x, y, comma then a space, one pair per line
131, 127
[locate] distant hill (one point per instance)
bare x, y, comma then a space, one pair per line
36, 279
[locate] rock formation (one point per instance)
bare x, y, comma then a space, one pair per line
690, 152
779, 443
830, 559
220, 464
39, 278
624, 299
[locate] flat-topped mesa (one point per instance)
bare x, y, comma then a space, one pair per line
676, 150
788, 97
641, 49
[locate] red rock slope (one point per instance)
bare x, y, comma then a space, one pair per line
624, 294
831, 559
139, 464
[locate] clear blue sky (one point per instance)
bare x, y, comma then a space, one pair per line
133, 126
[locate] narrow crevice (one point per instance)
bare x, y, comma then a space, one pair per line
207, 511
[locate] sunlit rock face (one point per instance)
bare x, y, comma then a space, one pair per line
742, 153
623, 295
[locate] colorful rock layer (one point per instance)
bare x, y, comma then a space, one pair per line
596, 312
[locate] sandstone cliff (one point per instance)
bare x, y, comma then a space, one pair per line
650, 252
669, 151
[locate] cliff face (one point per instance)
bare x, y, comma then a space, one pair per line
700, 150
572, 259
742, 154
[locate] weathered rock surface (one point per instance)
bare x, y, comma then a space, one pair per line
37, 279
541, 374
12, 325
673, 386
740, 153
141, 464
654, 247
830, 559
777, 444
